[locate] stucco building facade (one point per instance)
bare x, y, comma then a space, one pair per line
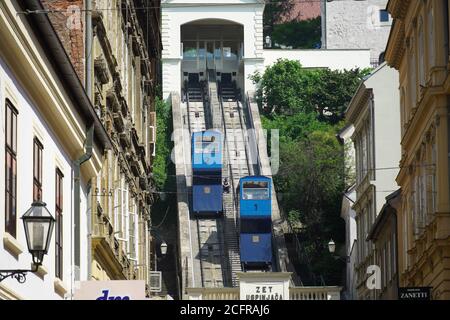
357, 25
45, 115
107, 52
418, 48
377, 149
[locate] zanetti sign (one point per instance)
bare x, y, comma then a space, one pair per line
111, 290
414, 293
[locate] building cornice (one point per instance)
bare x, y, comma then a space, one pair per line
398, 8
356, 105
102, 251
395, 48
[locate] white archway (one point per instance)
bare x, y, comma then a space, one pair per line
175, 14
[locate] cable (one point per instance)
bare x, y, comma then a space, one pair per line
164, 218
268, 3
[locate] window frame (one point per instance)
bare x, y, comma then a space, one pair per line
38, 153
384, 13
59, 205
11, 122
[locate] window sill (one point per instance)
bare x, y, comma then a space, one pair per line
12, 245
60, 287
41, 271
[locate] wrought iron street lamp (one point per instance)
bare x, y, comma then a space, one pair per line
163, 248
332, 249
331, 246
38, 224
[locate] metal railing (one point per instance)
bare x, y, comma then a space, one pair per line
295, 293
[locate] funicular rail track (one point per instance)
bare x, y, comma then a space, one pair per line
206, 233
214, 242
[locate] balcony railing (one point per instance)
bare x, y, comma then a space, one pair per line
315, 293
295, 293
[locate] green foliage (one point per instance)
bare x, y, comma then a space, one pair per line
310, 181
286, 88
274, 11
303, 34
307, 107
162, 163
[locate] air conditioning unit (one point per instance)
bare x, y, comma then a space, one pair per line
155, 281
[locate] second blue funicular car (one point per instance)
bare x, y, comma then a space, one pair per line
207, 173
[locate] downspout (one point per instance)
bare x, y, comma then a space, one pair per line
77, 186
88, 49
89, 76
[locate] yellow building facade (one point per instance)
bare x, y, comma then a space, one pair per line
418, 48
124, 56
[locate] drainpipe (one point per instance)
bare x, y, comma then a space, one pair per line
77, 186
88, 49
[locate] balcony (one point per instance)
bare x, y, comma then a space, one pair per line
125, 139
142, 181
315, 293
119, 122
112, 101
101, 70
134, 164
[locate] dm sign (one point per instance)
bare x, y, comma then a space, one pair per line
111, 290
414, 293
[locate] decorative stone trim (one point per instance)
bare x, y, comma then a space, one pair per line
60, 287
41, 272
12, 245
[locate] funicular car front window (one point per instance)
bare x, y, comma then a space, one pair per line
256, 190
206, 147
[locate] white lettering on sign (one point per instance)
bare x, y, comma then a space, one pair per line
265, 292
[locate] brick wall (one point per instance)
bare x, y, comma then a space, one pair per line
68, 21
302, 10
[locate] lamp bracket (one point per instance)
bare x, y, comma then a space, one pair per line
19, 275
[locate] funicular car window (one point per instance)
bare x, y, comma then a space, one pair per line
206, 145
256, 226
256, 190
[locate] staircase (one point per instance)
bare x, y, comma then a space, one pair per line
231, 235
194, 92
228, 91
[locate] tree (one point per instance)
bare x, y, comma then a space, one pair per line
307, 107
286, 88
274, 11
310, 181
282, 87
162, 164
303, 34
